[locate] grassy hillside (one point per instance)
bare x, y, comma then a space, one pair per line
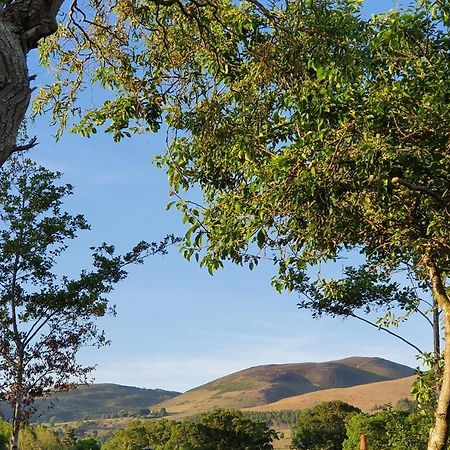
98, 400
266, 384
365, 397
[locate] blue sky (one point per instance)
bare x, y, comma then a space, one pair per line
178, 327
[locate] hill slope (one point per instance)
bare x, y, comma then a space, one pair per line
366, 396
266, 384
97, 400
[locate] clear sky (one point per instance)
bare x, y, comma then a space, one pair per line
178, 327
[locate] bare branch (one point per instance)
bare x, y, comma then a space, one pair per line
22, 148
379, 327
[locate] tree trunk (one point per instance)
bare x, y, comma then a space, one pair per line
439, 433
437, 345
14, 88
17, 413
23, 23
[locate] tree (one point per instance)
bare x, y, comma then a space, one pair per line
87, 444
227, 429
45, 318
311, 132
396, 430
39, 437
323, 427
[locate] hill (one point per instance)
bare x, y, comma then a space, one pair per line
366, 396
270, 383
98, 400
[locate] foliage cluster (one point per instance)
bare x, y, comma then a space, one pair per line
276, 418
216, 430
323, 427
46, 317
40, 437
396, 430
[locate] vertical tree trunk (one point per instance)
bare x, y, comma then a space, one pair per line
439, 433
14, 88
437, 345
23, 23
17, 413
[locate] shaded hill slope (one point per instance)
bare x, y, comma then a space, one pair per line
269, 383
366, 396
98, 400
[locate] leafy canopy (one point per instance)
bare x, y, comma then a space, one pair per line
323, 427
215, 430
309, 129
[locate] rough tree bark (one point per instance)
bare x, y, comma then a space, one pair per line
439, 433
22, 24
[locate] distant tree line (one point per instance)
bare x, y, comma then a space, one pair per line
276, 418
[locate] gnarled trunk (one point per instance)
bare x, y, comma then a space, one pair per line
22, 24
14, 87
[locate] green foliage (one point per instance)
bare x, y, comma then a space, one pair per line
40, 437
396, 430
87, 444
5, 434
216, 430
232, 430
276, 418
323, 426
310, 130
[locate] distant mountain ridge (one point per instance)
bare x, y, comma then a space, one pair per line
366, 397
252, 387
269, 383
96, 401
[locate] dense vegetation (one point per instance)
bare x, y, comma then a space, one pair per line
327, 426
216, 430
323, 427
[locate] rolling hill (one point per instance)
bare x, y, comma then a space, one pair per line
366, 397
96, 401
269, 383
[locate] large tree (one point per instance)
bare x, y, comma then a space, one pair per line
323, 427
310, 130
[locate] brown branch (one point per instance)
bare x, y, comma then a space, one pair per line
379, 327
396, 181
22, 148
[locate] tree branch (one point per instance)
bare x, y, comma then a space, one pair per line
396, 181
379, 327
20, 148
